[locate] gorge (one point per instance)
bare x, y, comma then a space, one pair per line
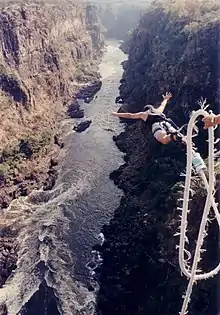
56, 194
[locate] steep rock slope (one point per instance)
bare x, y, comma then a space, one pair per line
47, 53
181, 48
140, 274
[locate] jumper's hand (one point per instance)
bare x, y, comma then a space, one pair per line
167, 96
114, 113
209, 121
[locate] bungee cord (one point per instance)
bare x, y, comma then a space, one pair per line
194, 160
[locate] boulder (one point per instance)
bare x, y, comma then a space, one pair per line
82, 126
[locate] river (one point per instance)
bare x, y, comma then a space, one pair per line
58, 228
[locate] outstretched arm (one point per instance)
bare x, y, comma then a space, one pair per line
140, 115
166, 98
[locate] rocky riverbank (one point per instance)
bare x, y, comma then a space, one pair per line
169, 50
49, 57
43, 65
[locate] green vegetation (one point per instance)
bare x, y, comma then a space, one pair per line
197, 9
4, 170
29, 146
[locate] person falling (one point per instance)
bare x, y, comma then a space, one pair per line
161, 129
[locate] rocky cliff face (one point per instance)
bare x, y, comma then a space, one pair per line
170, 50
47, 52
140, 272
178, 53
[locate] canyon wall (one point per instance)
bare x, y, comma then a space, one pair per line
174, 48
47, 53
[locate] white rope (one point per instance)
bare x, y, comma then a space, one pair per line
194, 159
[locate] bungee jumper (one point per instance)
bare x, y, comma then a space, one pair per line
163, 129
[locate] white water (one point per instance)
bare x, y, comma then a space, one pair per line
57, 228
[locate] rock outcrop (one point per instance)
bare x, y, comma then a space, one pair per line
48, 53
174, 48
82, 126
178, 53
140, 270
74, 110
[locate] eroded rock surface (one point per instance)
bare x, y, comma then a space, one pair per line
174, 48
48, 55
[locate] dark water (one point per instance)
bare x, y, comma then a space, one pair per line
58, 228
